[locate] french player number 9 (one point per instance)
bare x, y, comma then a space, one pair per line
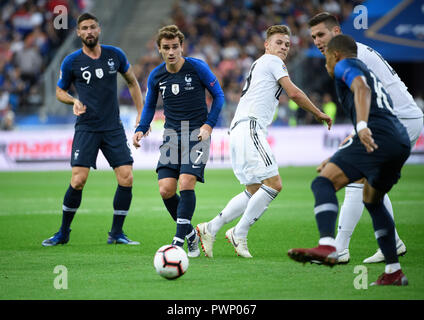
86, 75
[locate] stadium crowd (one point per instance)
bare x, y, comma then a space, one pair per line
28, 41
229, 35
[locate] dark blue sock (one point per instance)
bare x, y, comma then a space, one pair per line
384, 228
171, 205
71, 203
326, 206
121, 205
185, 212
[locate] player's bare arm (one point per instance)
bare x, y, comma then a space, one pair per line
64, 97
362, 98
135, 92
205, 132
298, 96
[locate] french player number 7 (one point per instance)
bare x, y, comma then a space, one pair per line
163, 90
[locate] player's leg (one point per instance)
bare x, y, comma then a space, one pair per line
185, 211
384, 228
350, 214
324, 188
255, 166
237, 205
234, 209
167, 180
117, 152
121, 205
85, 147
71, 203
257, 204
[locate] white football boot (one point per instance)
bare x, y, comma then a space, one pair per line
193, 248
206, 239
343, 257
379, 257
239, 244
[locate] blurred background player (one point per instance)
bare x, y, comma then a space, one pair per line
324, 26
377, 152
181, 82
251, 156
93, 71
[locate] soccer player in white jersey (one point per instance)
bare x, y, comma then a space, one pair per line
251, 157
324, 26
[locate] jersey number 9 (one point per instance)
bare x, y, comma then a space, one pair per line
86, 75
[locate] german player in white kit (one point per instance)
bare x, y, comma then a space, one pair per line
251, 156
324, 26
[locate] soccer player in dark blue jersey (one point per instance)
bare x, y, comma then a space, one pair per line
377, 152
93, 71
181, 82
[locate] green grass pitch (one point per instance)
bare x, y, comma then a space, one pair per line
30, 211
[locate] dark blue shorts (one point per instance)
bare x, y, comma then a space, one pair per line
381, 167
180, 155
113, 144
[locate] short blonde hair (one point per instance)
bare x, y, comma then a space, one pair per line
169, 32
281, 29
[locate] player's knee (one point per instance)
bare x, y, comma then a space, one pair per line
78, 181
166, 191
126, 180
187, 182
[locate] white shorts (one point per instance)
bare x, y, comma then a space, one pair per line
414, 128
251, 156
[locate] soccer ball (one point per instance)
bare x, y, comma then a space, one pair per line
170, 261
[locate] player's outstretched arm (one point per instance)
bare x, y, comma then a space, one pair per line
64, 97
135, 92
362, 99
298, 96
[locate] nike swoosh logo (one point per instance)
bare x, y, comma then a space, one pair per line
82, 69
232, 239
161, 83
195, 167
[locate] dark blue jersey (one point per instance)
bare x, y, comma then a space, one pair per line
381, 119
96, 83
183, 95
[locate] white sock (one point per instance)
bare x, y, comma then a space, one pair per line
234, 209
350, 213
255, 208
388, 204
392, 267
327, 241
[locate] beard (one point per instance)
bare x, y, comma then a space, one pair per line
91, 43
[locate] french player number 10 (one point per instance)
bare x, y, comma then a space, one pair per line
86, 75
381, 95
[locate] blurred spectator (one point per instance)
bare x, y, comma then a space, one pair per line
29, 61
28, 41
8, 121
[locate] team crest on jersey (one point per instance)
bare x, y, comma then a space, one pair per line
188, 85
111, 65
99, 73
175, 88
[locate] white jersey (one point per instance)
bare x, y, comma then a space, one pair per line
259, 98
404, 105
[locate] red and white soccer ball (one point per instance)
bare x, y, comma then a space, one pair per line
171, 262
